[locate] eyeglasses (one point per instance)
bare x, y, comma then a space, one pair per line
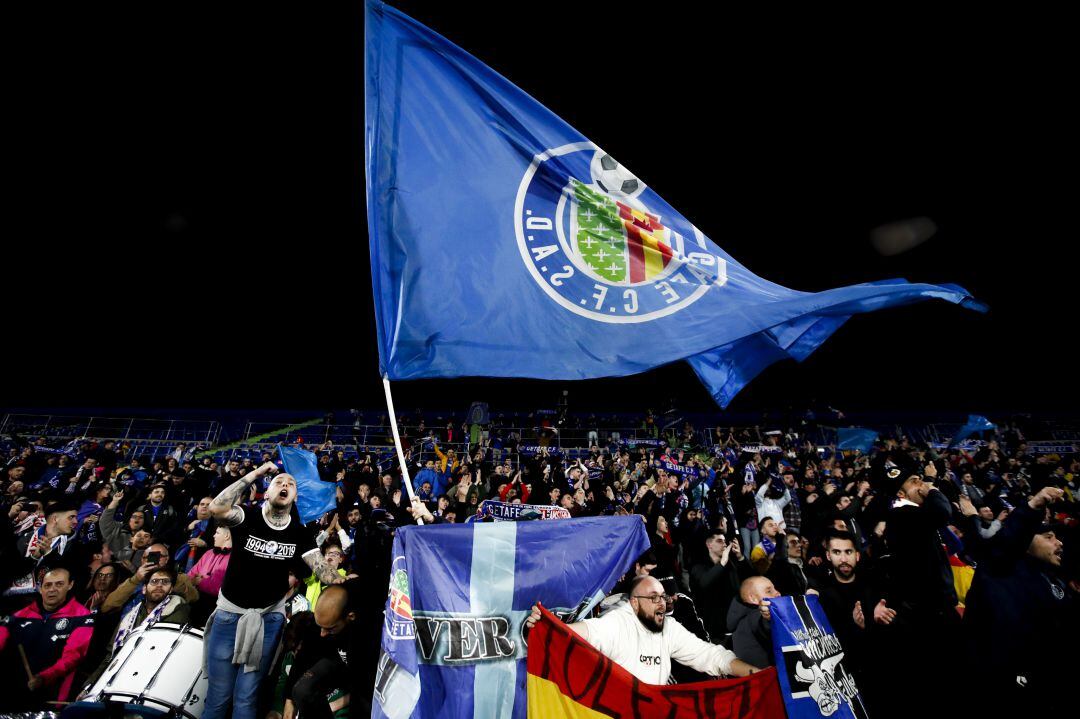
160, 582
654, 598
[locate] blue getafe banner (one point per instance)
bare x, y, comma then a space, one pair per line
314, 497
452, 644
565, 265
858, 438
674, 468
975, 424
509, 512
810, 662
531, 450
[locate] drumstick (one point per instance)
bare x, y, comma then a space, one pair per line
25, 662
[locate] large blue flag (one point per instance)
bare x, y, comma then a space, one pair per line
314, 497
810, 662
459, 594
858, 438
504, 243
975, 423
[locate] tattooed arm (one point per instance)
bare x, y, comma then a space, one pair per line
322, 570
226, 506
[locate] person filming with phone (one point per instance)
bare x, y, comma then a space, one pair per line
130, 592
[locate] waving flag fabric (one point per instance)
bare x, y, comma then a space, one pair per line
858, 438
459, 594
810, 662
569, 679
314, 497
975, 424
504, 243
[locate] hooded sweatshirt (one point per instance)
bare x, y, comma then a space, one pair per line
751, 634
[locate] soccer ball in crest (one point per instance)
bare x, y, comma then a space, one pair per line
613, 178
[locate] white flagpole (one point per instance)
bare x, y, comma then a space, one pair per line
397, 443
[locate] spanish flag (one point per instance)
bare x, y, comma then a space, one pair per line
962, 573
567, 677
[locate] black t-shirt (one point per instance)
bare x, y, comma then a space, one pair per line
258, 572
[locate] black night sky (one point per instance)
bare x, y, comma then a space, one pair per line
186, 226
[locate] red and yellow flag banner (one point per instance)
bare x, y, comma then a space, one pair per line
569, 678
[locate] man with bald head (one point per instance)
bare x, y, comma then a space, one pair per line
322, 664
638, 637
343, 655
749, 621
242, 633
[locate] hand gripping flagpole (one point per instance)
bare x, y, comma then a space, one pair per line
397, 443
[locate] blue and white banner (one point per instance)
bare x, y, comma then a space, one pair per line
1051, 448
532, 450
761, 449
71, 449
507, 512
810, 662
674, 468
632, 443
976, 424
452, 644
968, 445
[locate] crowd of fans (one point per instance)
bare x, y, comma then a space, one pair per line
945, 573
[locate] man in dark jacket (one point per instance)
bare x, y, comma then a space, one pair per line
845, 596
749, 621
160, 518
715, 582
1021, 620
918, 584
343, 656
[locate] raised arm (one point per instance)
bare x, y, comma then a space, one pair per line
226, 506
110, 528
326, 574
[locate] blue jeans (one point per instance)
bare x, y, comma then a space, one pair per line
229, 683
749, 538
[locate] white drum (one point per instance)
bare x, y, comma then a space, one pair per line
160, 668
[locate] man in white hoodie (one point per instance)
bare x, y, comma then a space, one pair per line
771, 502
640, 638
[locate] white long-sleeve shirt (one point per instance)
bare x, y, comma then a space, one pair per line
774, 508
647, 655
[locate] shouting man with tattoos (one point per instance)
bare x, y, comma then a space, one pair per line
243, 631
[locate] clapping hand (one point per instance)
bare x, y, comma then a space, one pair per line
882, 614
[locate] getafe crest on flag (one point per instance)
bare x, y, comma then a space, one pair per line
561, 262
605, 241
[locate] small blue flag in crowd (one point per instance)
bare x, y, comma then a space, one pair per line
564, 262
314, 497
975, 424
459, 595
810, 662
858, 438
